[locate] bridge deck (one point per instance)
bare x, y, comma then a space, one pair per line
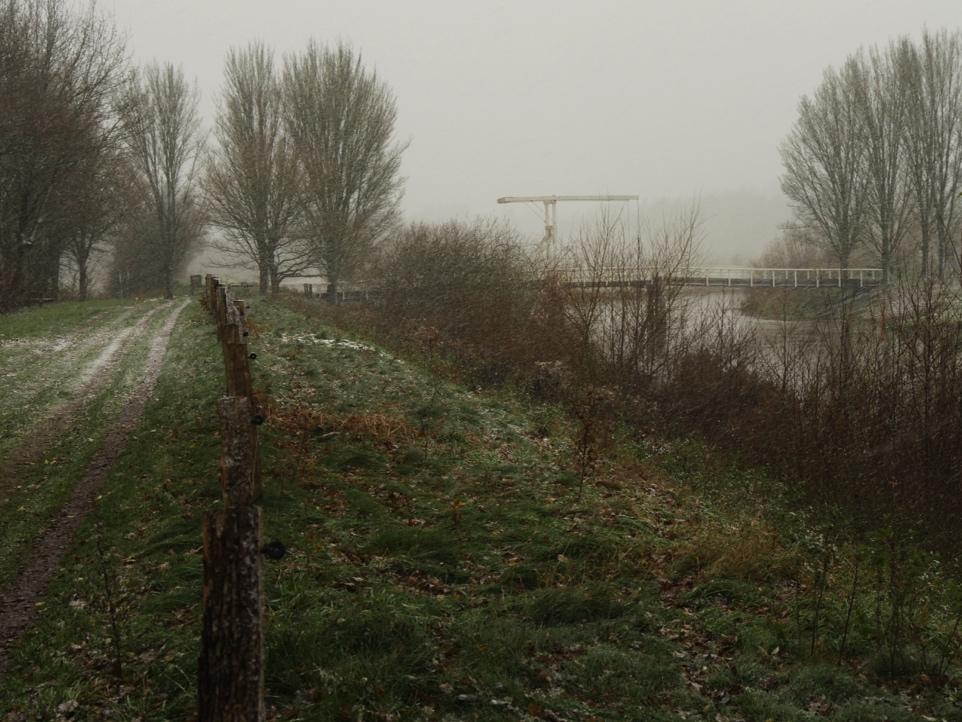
724, 277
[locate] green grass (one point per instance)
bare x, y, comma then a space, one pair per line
441, 565
54, 319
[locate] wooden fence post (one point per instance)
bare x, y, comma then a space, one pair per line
236, 356
237, 451
231, 665
209, 290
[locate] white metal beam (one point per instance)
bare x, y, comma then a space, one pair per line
555, 199
551, 208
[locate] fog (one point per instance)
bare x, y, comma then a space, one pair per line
669, 101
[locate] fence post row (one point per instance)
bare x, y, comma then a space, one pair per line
231, 663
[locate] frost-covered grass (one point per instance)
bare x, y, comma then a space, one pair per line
42, 488
441, 563
44, 359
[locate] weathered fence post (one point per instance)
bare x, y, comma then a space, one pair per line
209, 290
237, 453
236, 357
231, 665
220, 308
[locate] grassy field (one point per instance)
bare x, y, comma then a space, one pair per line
443, 563
55, 319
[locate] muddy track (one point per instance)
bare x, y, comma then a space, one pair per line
18, 603
90, 381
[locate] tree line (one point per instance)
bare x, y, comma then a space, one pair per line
873, 164
105, 163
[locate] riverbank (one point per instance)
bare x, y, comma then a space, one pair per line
445, 562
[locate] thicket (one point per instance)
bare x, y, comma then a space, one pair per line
860, 416
469, 290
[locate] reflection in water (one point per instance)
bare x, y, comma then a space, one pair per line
786, 350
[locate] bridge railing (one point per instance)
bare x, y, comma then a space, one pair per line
733, 276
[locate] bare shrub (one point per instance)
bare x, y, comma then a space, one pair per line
624, 304
470, 287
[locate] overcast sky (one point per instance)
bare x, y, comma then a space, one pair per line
664, 99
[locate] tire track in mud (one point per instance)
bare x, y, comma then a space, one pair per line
91, 379
18, 603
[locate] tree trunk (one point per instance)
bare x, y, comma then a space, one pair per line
924, 245
263, 277
332, 284
942, 247
82, 280
15, 288
843, 264
274, 276
48, 281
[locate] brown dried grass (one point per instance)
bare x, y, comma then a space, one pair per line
382, 428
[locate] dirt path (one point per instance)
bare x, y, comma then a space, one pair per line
18, 603
57, 357
88, 383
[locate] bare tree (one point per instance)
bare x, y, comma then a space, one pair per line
59, 70
164, 145
92, 212
133, 269
341, 120
824, 157
253, 179
883, 108
626, 328
931, 74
